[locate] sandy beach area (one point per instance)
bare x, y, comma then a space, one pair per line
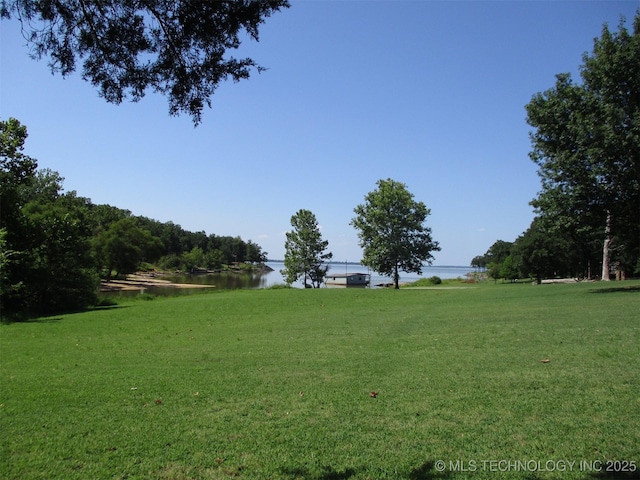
144, 281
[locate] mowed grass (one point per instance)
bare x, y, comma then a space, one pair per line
276, 384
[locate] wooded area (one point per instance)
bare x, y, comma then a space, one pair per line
586, 144
55, 246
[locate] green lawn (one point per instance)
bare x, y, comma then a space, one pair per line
277, 384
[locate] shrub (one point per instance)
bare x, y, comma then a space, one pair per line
106, 301
425, 282
279, 286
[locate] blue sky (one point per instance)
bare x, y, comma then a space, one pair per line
429, 93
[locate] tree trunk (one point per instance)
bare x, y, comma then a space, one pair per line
396, 278
606, 248
620, 272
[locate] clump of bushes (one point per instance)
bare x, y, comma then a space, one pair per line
278, 286
147, 297
106, 301
426, 282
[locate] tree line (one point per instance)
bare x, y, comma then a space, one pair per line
55, 246
586, 144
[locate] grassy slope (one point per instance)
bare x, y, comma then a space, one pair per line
276, 384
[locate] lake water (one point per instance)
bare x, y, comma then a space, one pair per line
226, 281
234, 281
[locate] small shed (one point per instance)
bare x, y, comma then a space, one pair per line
347, 279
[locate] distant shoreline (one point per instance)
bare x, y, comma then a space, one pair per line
360, 263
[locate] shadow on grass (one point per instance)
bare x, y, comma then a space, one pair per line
50, 319
105, 307
428, 471
616, 475
328, 473
629, 289
53, 318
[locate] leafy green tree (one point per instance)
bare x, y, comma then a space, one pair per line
57, 267
499, 251
254, 253
45, 260
17, 170
124, 245
178, 49
172, 238
479, 261
173, 261
305, 255
495, 256
214, 259
45, 186
545, 254
510, 268
587, 147
194, 259
25, 257
392, 232
232, 248
5, 260
103, 216
15, 167
191, 240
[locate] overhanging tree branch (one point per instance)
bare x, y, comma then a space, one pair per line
183, 57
